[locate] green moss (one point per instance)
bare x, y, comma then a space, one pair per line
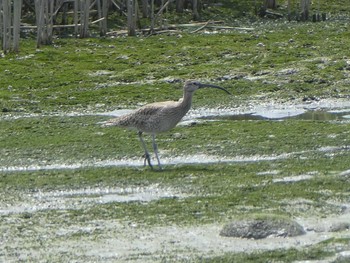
65, 76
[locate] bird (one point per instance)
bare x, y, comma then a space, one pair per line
159, 117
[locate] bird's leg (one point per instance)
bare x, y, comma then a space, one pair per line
147, 156
155, 148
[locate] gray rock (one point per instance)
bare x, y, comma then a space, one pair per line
262, 226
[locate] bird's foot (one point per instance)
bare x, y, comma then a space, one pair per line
147, 159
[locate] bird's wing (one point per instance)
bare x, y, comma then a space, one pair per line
140, 116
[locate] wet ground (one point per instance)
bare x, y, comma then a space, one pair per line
113, 240
322, 110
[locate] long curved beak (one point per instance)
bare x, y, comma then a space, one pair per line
213, 86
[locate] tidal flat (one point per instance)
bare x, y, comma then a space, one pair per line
74, 191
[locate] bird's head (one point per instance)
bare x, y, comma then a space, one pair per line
193, 85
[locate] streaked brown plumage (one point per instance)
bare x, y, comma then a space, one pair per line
159, 116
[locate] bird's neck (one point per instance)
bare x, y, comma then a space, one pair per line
186, 100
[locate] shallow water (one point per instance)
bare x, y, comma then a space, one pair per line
298, 114
325, 110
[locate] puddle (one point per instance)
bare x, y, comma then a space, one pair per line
298, 114
316, 111
323, 110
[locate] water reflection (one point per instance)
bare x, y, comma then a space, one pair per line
321, 116
318, 115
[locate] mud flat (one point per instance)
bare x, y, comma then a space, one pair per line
110, 240
72, 191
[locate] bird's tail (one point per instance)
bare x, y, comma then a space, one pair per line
109, 123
